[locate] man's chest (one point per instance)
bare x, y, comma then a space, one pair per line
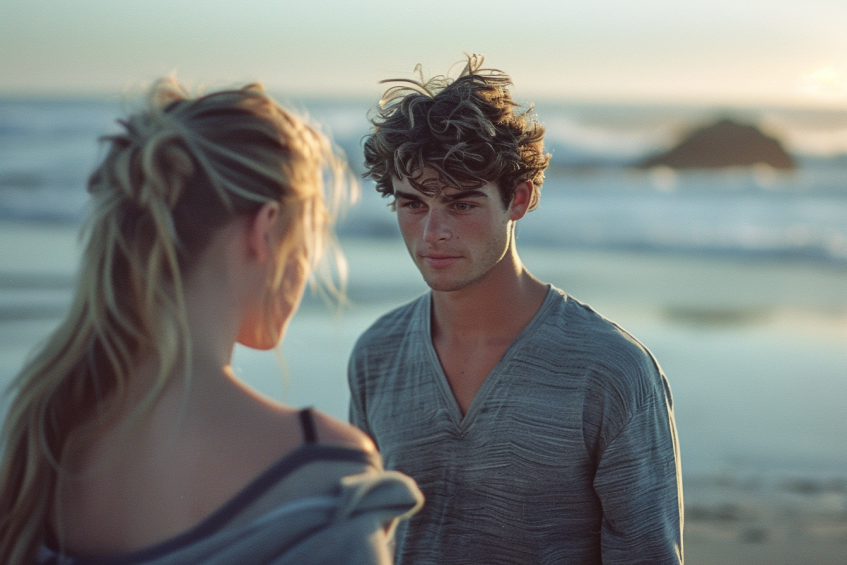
466, 367
519, 426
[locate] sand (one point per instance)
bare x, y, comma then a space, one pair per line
800, 522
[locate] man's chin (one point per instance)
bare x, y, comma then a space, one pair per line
440, 284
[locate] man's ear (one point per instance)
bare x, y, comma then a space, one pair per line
261, 230
520, 200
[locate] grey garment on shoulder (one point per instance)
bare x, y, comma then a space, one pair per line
567, 454
347, 517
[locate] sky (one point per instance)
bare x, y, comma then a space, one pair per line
785, 52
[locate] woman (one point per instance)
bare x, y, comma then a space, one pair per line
130, 440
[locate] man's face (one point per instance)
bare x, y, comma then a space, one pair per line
455, 236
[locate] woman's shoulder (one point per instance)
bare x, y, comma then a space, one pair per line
333, 432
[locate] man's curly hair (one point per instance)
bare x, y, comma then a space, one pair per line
464, 128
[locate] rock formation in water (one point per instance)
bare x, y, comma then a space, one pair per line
723, 144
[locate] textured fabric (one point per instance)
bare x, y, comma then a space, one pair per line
567, 454
319, 505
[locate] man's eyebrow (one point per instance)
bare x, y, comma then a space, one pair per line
406, 195
473, 193
470, 193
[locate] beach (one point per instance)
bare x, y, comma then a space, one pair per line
755, 351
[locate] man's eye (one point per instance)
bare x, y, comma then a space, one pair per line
463, 206
410, 204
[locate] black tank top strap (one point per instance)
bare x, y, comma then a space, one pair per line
308, 423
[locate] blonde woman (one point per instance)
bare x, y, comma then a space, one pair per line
129, 439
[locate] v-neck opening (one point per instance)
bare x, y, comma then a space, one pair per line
463, 421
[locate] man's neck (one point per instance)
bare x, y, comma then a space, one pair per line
500, 304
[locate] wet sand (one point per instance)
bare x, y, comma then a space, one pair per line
729, 521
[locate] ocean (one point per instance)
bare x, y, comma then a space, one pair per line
735, 279
592, 198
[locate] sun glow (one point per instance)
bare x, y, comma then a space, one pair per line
829, 82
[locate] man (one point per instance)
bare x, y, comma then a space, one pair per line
539, 431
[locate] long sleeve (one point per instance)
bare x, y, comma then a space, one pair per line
639, 484
357, 414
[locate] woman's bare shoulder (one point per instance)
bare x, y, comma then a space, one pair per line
331, 431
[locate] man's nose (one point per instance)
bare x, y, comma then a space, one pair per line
436, 226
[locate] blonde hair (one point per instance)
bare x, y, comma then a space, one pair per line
181, 169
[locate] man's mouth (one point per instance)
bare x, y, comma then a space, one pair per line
439, 260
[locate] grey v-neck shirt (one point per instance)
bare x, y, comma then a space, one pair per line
567, 454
